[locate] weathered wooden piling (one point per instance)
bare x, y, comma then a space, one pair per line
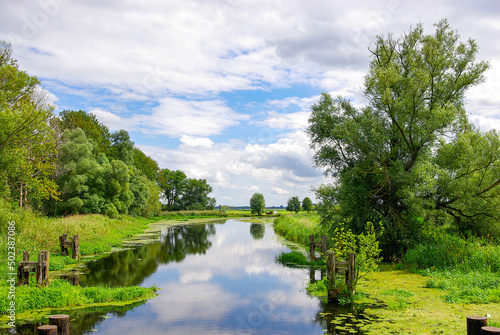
73, 243
333, 267
40, 267
490, 330
313, 244
62, 323
474, 324
351, 271
47, 330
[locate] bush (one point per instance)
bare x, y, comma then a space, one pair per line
111, 211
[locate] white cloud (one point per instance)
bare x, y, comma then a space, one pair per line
279, 190
296, 120
234, 171
197, 142
254, 189
176, 117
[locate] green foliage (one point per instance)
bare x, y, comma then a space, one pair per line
27, 141
298, 258
182, 193
145, 164
339, 289
59, 262
449, 252
293, 205
298, 228
95, 131
307, 204
61, 294
411, 151
364, 245
475, 287
468, 270
257, 203
122, 147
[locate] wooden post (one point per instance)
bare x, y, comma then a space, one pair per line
46, 256
47, 330
76, 246
26, 256
330, 271
62, 323
351, 270
490, 330
474, 324
311, 248
39, 268
312, 275
62, 241
323, 244
330, 265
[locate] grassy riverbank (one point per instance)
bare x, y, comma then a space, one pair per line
32, 232
437, 285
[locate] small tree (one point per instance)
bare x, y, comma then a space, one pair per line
307, 204
293, 205
257, 203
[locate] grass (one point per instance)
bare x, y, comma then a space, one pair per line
34, 233
468, 271
415, 308
62, 295
298, 227
298, 258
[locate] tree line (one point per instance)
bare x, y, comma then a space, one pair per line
72, 163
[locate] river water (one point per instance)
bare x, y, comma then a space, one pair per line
214, 278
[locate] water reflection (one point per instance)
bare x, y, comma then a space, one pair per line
130, 267
213, 278
257, 230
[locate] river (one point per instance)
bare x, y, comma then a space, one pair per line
214, 278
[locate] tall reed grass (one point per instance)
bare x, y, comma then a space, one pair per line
298, 227
468, 270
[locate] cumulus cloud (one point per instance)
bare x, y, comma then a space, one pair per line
176, 117
279, 190
212, 74
197, 142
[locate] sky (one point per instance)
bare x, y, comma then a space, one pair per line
222, 89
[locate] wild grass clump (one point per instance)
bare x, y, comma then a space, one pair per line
468, 270
61, 295
298, 258
298, 227
59, 262
447, 252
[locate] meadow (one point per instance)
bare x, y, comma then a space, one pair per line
439, 282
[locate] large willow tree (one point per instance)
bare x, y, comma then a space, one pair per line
410, 153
